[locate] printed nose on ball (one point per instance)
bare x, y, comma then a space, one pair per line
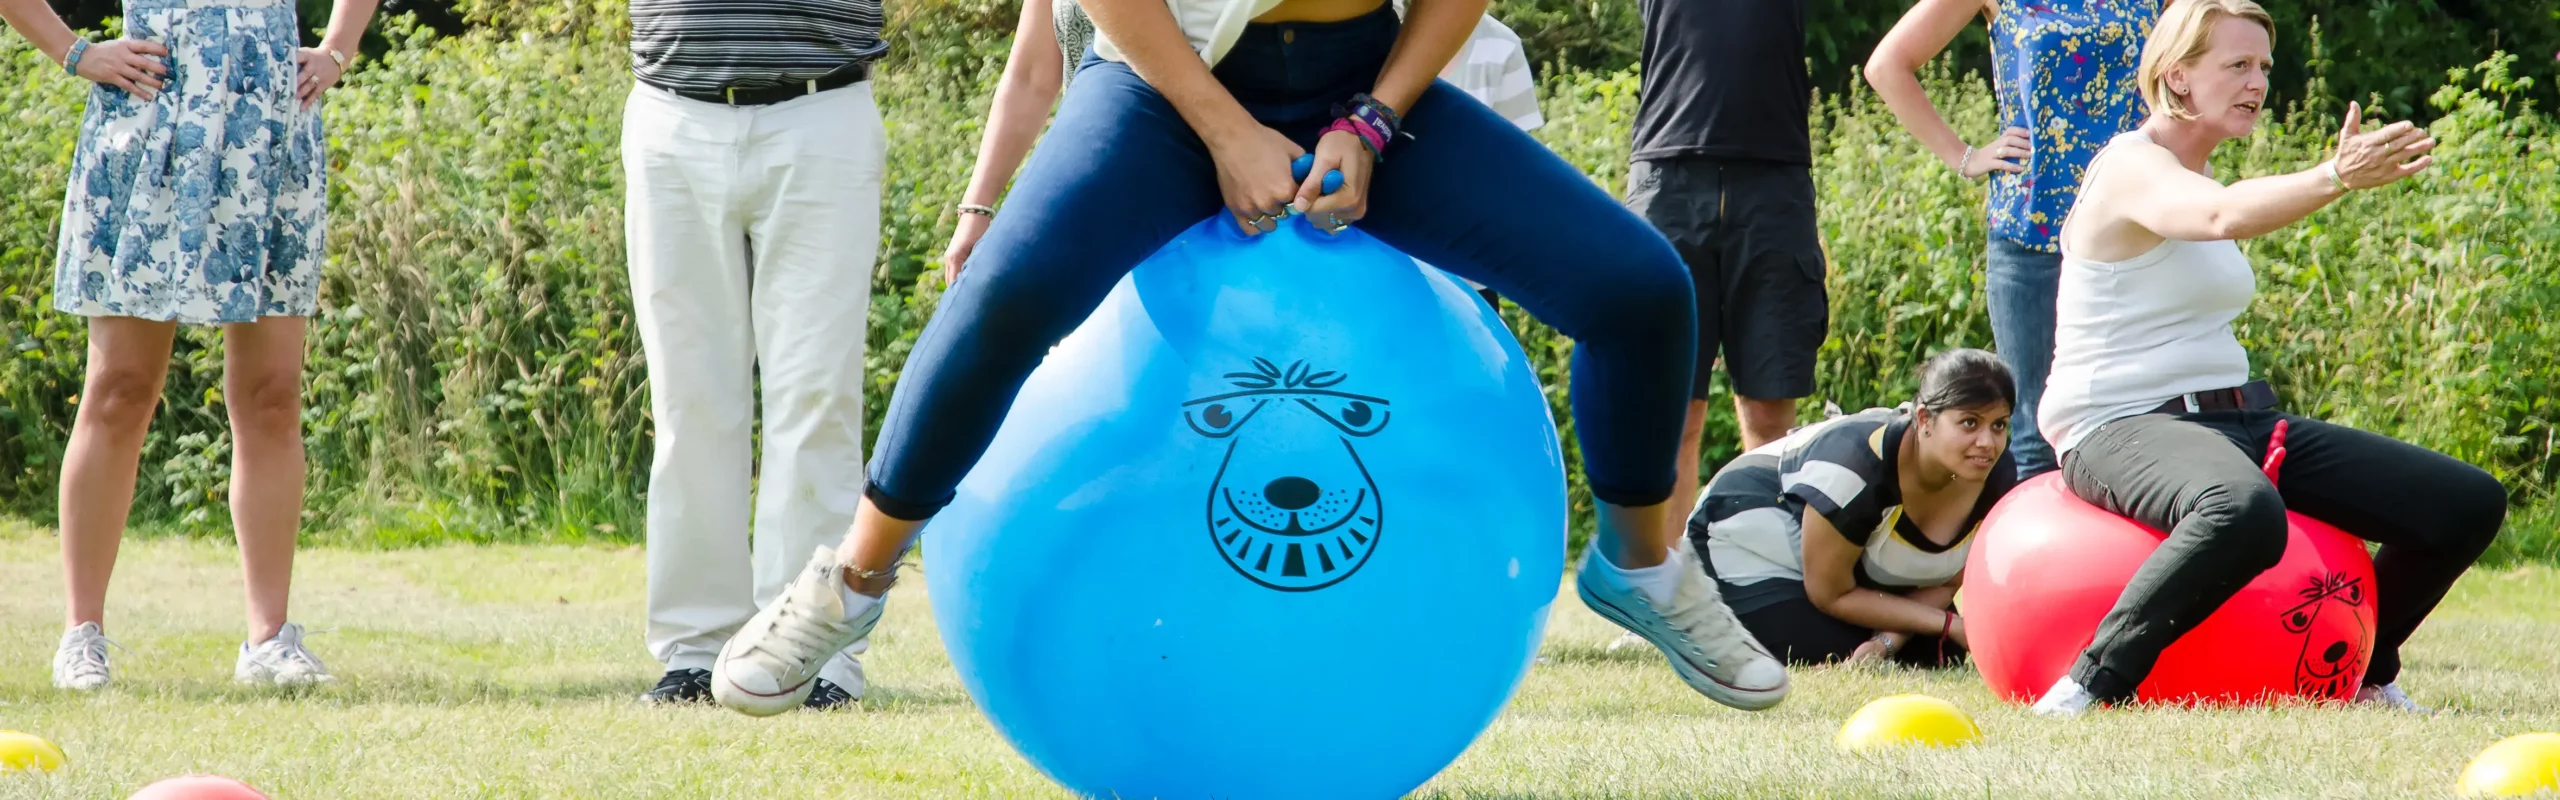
1291, 493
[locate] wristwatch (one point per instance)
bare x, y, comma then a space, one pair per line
337, 57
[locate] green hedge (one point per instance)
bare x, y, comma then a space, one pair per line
475, 374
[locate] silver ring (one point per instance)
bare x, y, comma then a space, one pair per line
1262, 222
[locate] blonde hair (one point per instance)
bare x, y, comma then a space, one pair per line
2179, 38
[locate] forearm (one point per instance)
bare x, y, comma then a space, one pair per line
1434, 32
1155, 48
2258, 206
347, 20
1899, 86
1920, 613
35, 20
1014, 120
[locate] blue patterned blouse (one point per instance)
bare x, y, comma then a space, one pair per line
2064, 70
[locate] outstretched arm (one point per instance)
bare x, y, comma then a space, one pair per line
2173, 202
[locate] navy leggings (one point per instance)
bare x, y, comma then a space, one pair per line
1119, 174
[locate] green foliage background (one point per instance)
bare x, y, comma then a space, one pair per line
475, 374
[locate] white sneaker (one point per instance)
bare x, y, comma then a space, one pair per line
2389, 696
281, 662
2066, 700
771, 664
80, 662
1706, 644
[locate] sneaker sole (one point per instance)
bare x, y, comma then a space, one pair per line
1740, 697
273, 681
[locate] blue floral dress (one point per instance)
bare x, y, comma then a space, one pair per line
205, 204
2064, 70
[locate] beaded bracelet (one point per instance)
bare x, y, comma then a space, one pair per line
71, 58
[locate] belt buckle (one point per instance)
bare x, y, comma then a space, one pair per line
2193, 407
731, 92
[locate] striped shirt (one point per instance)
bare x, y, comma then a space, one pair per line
1494, 68
1750, 521
709, 45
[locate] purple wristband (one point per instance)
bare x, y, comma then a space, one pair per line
1361, 128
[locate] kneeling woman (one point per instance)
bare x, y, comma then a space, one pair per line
1847, 539
2150, 401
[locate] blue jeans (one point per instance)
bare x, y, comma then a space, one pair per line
2022, 284
1120, 174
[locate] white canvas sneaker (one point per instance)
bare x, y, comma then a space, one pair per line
2066, 700
772, 663
2389, 696
1706, 644
280, 662
80, 662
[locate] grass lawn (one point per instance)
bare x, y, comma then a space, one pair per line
509, 671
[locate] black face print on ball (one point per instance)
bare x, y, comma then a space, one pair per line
1292, 507
2330, 660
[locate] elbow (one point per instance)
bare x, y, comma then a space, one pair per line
1885, 70
2222, 225
1824, 598
2206, 223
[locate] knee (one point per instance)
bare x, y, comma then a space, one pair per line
266, 404
2250, 524
1019, 303
2476, 508
1650, 294
121, 400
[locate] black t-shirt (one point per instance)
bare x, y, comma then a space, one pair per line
1724, 79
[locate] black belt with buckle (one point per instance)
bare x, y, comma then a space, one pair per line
2251, 396
844, 76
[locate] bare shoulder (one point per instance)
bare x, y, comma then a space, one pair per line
2100, 227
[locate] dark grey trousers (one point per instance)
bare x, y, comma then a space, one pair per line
2198, 477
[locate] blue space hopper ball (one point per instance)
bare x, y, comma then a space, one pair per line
1282, 519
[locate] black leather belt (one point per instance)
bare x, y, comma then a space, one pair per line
844, 76
2251, 396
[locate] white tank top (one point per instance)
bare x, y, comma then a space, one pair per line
1212, 26
2133, 334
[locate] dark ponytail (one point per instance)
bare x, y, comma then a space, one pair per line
1965, 378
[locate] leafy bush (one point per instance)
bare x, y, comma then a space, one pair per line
475, 373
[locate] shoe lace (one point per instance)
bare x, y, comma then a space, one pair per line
806, 637
91, 654
294, 654
827, 691
1696, 611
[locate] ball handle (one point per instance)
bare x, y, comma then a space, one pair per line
2275, 450
1332, 177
